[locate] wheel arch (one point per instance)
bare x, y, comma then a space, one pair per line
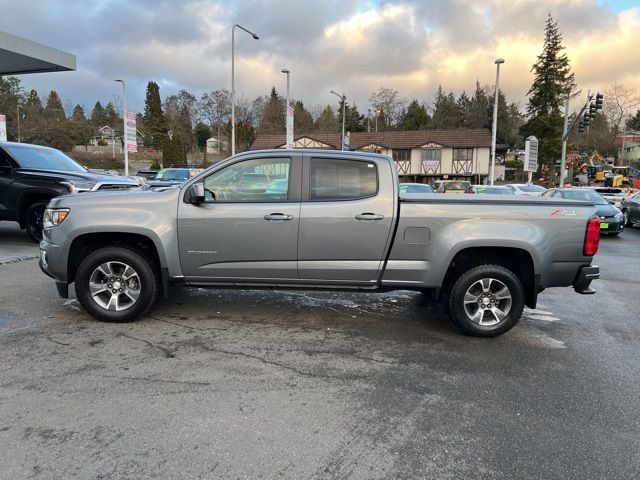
85, 243
518, 260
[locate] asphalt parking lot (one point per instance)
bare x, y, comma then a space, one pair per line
283, 384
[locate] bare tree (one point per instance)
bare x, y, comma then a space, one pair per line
619, 102
214, 108
388, 101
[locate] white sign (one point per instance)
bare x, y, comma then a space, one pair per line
130, 134
290, 127
531, 154
3, 128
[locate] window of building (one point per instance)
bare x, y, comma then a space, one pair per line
255, 180
401, 154
431, 154
342, 179
463, 153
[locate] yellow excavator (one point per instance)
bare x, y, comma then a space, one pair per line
595, 168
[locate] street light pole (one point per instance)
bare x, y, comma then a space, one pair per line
286, 111
233, 87
563, 158
18, 119
498, 62
343, 99
124, 127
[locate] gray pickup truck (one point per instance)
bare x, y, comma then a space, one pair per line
318, 219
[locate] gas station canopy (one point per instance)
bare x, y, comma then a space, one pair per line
19, 56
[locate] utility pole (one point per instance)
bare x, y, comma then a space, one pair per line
124, 127
233, 84
498, 62
343, 99
18, 119
563, 158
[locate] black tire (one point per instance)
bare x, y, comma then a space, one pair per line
33, 221
147, 283
471, 279
627, 222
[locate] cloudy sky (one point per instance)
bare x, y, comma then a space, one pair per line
347, 45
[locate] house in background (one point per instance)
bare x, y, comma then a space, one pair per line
422, 156
217, 146
107, 139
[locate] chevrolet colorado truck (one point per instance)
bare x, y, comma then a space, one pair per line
318, 219
31, 175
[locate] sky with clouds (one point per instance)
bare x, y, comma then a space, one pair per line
348, 45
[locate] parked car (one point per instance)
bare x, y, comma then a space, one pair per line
611, 218
170, 177
31, 175
415, 188
612, 195
495, 190
147, 173
631, 209
455, 186
339, 226
529, 189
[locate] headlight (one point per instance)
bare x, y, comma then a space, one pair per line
54, 216
77, 186
619, 216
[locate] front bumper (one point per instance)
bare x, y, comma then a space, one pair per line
582, 283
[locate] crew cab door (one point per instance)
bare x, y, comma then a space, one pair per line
346, 218
247, 228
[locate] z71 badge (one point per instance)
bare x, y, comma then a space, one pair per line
562, 211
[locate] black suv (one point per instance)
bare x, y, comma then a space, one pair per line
31, 175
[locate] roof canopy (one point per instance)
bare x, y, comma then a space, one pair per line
19, 56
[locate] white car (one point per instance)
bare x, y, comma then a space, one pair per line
526, 189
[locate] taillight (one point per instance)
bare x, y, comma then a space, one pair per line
592, 237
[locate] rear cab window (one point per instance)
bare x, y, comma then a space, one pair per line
335, 179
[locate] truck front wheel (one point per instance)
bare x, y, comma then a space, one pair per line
486, 301
116, 284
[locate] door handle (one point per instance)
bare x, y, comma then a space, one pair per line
369, 216
278, 216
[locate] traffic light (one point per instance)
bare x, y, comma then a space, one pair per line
567, 165
586, 118
592, 110
580, 127
599, 101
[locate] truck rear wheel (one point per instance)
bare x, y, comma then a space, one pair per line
486, 301
116, 284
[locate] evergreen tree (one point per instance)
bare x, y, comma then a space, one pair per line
78, 114
98, 116
480, 111
634, 122
553, 79
10, 98
154, 121
302, 119
446, 112
416, 117
53, 109
464, 104
273, 116
202, 133
353, 120
327, 122
112, 118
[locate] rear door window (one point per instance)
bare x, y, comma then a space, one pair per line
333, 179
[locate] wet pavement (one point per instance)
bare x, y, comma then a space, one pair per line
14, 244
321, 385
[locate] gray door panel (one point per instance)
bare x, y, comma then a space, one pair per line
345, 240
247, 228
230, 240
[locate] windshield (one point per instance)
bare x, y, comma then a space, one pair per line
415, 189
29, 156
531, 188
496, 191
173, 174
585, 196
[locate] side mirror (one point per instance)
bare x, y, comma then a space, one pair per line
196, 193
